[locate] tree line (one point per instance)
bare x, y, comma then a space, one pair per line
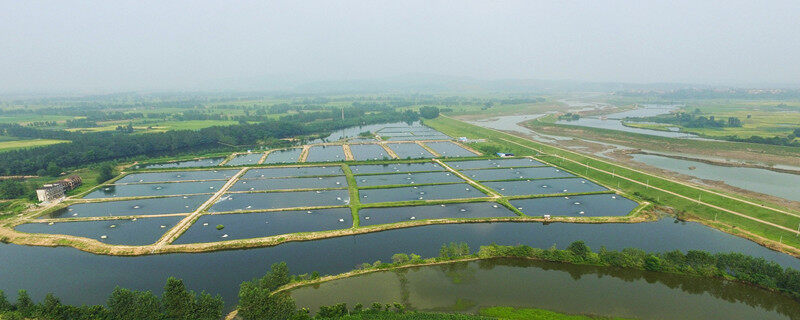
93, 147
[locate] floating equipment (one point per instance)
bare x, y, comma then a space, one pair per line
413, 218
112, 226
134, 219
309, 211
205, 224
74, 214
494, 206
463, 210
225, 235
580, 212
185, 197
103, 237
163, 226
613, 197
50, 224
366, 218
341, 220
136, 207
576, 202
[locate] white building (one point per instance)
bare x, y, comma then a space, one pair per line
50, 192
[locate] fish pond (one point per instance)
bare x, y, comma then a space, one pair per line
516, 173
590, 205
290, 183
208, 162
407, 178
140, 231
285, 172
277, 200
177, 176
373, 216
409, 151
431, 192
245, 159
284, 156
156, 189
150, 206
264, 224
494, 163
325, 154
544, 186
396, 168
363, 152
449, 149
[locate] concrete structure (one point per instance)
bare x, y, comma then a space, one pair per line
50, 192
70, 183
505, 155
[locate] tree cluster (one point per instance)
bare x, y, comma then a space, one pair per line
177, 303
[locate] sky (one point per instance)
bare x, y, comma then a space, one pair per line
112, 46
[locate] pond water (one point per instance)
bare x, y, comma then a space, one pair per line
141, 231
467, 287
592, 205
544, 186
779, 184
180, 204
363, 152
245, 159
352, 132
435, 192
156, 189
613, 121
396, 167
264, 224
177, 176
284, 156
494, 163
325, 153
289, 183
208, 162
372, 216
409, 150
516, 173
293, 172
406, 178
82, 278
276, 200
449, 149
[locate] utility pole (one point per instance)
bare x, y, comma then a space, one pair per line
342, 113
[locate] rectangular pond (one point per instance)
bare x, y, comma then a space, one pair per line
325, 154
265, 224
156, 189
590, 205
207, 162
245, 159
177, 176
407, 178
494, 163
152, 206
284, 156
372, 216
396, 168
141, 231
409, 151
363, 152
516, 173
285, 172
437, 192
449, 149
290, 183
544, 186
277, 200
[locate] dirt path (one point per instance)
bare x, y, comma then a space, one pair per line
471, 182
179, 228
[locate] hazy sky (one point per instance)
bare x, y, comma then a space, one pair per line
166, 45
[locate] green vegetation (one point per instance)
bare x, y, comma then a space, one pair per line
510, 313
9, 145
220, 227
176, 303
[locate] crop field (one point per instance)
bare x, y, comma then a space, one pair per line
8, 144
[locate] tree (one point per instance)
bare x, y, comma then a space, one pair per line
277, 277
256, 302
579, 249
178, 302
24, 304
4, 304
10, 189
429, 112
208, 307
53, 170
51, 308
652, 263
399, 258
797, 132
106, 173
